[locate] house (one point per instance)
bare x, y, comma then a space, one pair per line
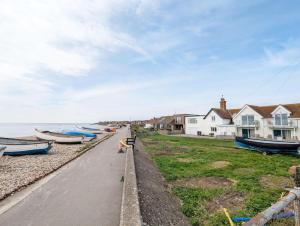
217, 122
173, 124
193, 124
279, 122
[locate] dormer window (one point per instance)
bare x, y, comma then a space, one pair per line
281, 119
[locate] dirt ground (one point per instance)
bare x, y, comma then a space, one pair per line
158, 206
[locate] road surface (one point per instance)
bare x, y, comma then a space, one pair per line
87, 192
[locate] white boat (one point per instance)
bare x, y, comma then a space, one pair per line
58, 137
89, 130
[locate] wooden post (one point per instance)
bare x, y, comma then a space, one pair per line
296, 201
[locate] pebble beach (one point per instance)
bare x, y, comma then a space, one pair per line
19, 171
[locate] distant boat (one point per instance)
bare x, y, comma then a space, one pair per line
2, 148
89, 130
58, 137
268, 146
15, 147
87, 136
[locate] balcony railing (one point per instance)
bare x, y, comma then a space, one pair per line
254, 124
290, 124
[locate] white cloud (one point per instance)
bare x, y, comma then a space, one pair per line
60, 36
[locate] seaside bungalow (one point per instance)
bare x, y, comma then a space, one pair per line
217, 122
279, 122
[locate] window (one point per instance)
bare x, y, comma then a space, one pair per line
192, 120
178, 119
248, 120
213, 129
213, 118
281, 119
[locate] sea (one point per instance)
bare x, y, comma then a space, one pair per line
27, 129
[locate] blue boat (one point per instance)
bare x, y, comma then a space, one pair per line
89, 136
15, 147
268, 146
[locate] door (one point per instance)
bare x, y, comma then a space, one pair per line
245, 133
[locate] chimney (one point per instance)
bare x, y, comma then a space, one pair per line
223, 103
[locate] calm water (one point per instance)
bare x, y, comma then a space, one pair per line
27, 129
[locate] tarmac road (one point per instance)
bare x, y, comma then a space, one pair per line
87, 192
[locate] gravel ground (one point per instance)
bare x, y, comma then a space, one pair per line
19, 171
158, 206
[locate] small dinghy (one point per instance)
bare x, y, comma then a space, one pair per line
268, 146
15, 147
87, 136
58, 137
89, 130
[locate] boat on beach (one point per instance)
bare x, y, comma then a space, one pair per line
58, 137
2, 148
14, 147
87, 136
89, 130
268, 146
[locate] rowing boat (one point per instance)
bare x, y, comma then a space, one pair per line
87, 136
58, 137
89, 130
15, 147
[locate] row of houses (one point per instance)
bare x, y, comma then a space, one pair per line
271, 122
274, 121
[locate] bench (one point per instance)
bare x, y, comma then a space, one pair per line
131, 141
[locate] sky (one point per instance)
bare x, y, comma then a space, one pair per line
94, 60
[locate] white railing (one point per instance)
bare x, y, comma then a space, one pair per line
290, 124
255, 123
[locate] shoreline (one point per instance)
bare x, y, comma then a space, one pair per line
17, 172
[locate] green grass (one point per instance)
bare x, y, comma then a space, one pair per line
245, 167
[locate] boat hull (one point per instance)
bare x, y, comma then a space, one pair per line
2, 151
89, 130
59, 137
87, 136
15, 147
268, 146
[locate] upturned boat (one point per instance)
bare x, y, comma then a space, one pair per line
89, 130
269, 146
58, 137
15, 147
87, 136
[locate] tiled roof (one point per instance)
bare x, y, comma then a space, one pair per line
224, 114
266, 111
294, 108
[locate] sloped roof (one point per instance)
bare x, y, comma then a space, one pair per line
224, 114
266, 111
294, 108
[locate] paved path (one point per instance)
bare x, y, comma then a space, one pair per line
87, 192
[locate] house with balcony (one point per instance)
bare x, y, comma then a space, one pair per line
280, 122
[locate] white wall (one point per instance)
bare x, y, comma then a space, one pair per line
204, 125
193, 128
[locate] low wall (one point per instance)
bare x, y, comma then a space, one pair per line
130, 209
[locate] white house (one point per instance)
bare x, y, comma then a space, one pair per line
273, 122
217, 122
